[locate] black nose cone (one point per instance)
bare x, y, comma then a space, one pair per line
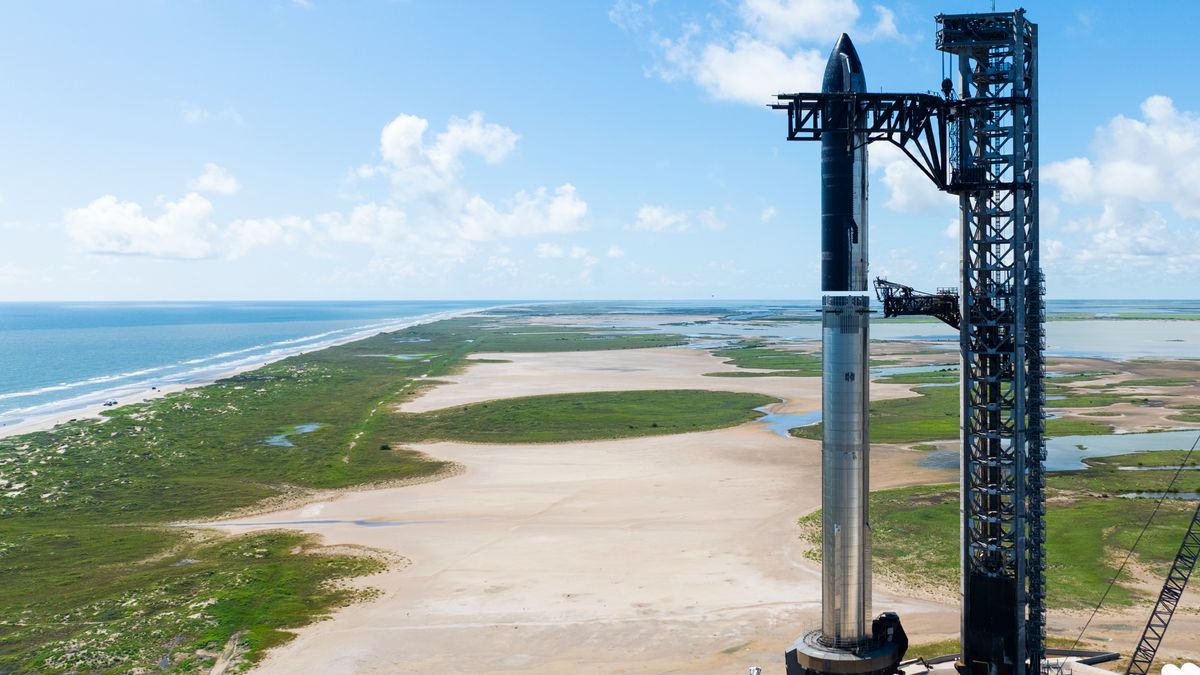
844, 70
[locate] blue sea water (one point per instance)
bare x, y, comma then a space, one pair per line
62, 356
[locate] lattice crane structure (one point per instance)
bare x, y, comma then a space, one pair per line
982, 146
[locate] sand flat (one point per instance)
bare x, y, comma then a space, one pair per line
607, 556
530, 374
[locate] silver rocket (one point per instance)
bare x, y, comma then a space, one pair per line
845, 306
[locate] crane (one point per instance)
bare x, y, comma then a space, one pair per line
1168, 599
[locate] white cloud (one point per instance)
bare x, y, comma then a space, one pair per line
418, 167
1126, 199
545, 250
783, 21
615, 251
369, 223
1155, 159
768, 214
110, 226
427, 224
630, 15
652, 218
528, 213
909, 190
194, 113
184, 230
776, 45
244, 235
215, 179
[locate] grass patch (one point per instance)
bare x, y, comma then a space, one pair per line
773, 373
1072, 398
934, 416
577, 417
943, 376
1081, 377
916, 530
931, 416
752, 354
1155, 382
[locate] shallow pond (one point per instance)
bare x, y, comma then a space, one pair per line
781, 423
1066, 453
282, 440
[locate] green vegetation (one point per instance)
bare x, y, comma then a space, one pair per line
753, 354
92, 579
1081, 377
1155, 382
1073, 398
934, 416
1089, 529
943, 376
575, 417
547, 340
945, 647
1191, 413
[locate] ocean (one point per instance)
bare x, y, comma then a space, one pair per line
56, 357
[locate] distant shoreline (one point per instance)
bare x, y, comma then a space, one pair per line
93, 407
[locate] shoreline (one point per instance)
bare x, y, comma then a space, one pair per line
138, 393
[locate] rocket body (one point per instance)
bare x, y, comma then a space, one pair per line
845, 307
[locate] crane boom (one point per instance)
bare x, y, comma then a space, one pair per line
1168, 599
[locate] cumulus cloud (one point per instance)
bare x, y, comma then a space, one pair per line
783, 21
747, 70
419, 167
527, 213
369, 223
1153, 159
545, 250
215, 179
1126, 196
242, 236
776, 45
909, 190
427, 222
194, 113
652, 218
615, 251
768, 214
108, 225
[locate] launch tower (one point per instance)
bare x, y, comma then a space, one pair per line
982, 147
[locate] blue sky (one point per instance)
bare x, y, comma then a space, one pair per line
609, 149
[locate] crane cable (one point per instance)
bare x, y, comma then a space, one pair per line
1146, 526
